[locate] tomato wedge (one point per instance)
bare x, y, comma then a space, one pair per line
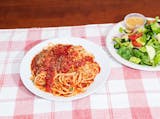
133, 38
136, 44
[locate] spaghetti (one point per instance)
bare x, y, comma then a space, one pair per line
63, 69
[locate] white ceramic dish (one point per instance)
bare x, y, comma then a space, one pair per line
110, 45
97, 51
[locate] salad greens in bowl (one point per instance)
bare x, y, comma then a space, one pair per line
137, 48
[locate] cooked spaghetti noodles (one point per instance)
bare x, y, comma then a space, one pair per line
63, 69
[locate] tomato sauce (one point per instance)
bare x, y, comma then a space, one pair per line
58, 59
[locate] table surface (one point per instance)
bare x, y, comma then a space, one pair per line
45, 13
126, 94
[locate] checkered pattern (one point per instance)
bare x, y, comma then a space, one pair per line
127, 94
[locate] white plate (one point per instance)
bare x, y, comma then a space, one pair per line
110, 45
97, 51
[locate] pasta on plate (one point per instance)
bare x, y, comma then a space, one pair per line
63, 69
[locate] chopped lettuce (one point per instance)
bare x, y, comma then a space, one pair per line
151, 52
145, 60
158, 37
141, 40
125, 52
121, 30
137, 53
143, 49
157, 18
135, 60
155, 27
157, 59
141, 29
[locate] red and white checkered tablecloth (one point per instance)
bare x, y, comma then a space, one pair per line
127, 94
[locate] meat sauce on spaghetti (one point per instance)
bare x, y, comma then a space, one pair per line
63, 69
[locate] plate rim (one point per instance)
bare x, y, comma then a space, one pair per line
69, 40
121, 60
